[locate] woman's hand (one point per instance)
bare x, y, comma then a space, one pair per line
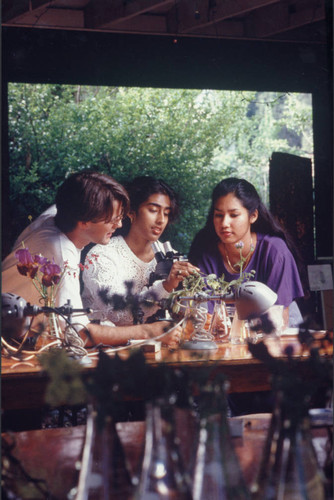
180, 270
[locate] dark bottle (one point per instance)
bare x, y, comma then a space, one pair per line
162, 475
104, 472
289, 468
217, 473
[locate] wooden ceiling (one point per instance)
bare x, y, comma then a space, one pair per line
279, 20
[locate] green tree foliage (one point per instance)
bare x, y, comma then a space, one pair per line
190, 138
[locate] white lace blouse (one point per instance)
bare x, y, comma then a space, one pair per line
107, 268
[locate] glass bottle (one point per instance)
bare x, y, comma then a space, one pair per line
289, 468
217, 472
104, 473
220, 323
162, 475
239, 332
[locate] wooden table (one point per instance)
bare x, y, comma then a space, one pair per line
52, 454
23, 384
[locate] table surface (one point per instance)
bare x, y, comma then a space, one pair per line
59, 470
24, 383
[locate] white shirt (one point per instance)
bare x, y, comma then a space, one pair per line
43, 237
108, 267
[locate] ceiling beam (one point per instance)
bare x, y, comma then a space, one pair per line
140, 24
223, 29
101, 13
13, 11
211, 11
51, 18
282, 18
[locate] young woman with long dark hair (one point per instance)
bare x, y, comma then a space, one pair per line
239, 221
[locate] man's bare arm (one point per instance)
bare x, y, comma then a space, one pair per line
119, 335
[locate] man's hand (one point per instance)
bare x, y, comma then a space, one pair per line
171, 339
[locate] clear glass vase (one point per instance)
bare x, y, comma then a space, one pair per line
289, 468
220, 323
104, 473
217, 472
196, 334
163, 474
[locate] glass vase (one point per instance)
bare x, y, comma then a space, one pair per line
289, 468
196, 328
54, 327
217, 472
51, 322
104, 471
220, 323
162, 475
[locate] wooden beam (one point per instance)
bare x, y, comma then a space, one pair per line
140, 24
280, 18
50, 17
12, 11
192, 18
228, 29
101, 13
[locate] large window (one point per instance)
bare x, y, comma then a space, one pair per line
190, 138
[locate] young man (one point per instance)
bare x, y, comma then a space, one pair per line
89, 207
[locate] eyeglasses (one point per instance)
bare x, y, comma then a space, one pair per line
116, 220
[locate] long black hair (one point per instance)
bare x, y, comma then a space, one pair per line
250, 199
139, 190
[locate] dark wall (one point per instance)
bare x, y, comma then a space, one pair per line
53, 56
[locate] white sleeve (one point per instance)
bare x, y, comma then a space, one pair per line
70, 284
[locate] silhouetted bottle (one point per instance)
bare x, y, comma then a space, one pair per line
104, 472
217, 472
289, 468
162, 475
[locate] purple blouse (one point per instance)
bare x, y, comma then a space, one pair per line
272, 262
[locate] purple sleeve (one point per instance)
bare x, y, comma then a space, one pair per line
276, 267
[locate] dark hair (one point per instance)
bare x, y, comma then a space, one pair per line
88, 196
250, 199
140, 189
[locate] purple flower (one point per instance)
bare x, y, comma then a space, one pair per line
24, 256
39, 259
27, 265
51, 274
